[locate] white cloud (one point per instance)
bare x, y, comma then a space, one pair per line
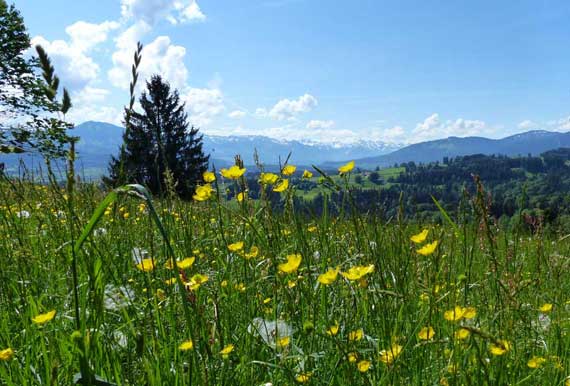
316, 124
158, 57
203, 104
289, 109
237, 114
527, 125
562, 124
89, 105
260, 112
70, 58
395, 134
433, 128
151, 11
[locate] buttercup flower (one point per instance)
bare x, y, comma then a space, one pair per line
233, 173
282, 186
328, 277
420, 237
357, 272
288, 170
428, 249
346, 167
44, 318
186, 345
292, 264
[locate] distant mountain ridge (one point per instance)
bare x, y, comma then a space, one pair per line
100, 140
531, 142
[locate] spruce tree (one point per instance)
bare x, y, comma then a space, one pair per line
158, 141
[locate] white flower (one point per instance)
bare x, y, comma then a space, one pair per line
23, 214
139, 255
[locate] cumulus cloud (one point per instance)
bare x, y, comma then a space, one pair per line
316, 124
89, 104
151, 11
237, 114
434, 128
159, 57
70, 57
562, 124
289, 109
202, 105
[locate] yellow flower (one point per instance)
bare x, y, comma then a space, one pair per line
356, 335
307, 174
236, 247
388, 356
462, 334
209, 177
469, 312
328, 277
546, 307
536, 362
293, 262
44, 318
196, 281
363, 366
6, 354
227, 350
146, 265
426, 333
333, 330
288, 170
186, 345
312, 229
240, 287
241, 196
357, 272
186, 263
500, 347
268, 178
346, 167
253, 252
352, 357
420, 237
428, 249
233, 173
170, 281
282, 186
455, 314
283, 342
303, 377
203, 192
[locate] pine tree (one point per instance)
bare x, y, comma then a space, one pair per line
158, 140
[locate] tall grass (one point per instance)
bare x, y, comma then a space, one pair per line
132, 321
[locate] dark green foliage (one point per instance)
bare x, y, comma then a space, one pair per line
158, 141
28, 104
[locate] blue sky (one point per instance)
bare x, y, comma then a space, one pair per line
315, 70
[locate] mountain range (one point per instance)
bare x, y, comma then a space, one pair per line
98, 141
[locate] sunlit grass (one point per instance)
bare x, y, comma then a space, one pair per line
249, 295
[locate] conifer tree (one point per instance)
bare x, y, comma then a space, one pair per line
159, 142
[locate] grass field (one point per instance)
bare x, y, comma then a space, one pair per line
227, 293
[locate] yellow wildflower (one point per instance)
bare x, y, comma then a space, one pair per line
227, 350
333, 330
462, 334
146, 265
282, 186
44, 318
303, 377
428, 249
203, 192
307, 174
288, 170
196, 281
356, 335
268, 178
292, 264
426, 333
469, 312
253, 252
186, 263
420, 237
236, 247
186, 345
283, 342
363, 366
500, 347
546, 307
357, 272
209, 177
388, 356
346, 167
536, 362
328, 277
352, 357
455, 314
241, 196
233, 173
6, 354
